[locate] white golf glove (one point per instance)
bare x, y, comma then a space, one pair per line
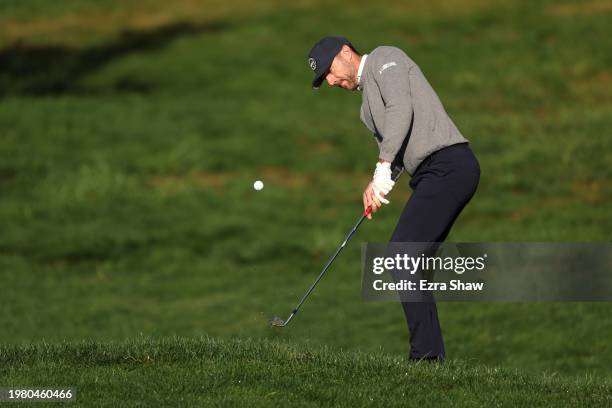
382, 182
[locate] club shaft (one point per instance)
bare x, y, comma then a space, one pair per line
327, 265
395, 177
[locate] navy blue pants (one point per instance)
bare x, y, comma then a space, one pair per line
442, 185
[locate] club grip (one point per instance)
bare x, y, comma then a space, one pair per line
367, 211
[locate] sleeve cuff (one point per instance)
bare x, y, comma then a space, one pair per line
386, 157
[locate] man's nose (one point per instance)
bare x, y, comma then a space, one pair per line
331, 80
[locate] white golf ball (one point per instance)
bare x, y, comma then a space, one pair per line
258, 185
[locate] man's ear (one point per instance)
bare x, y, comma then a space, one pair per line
347, 53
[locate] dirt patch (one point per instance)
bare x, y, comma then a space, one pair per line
324, 147
283, 177
76, 29
593, 87
520, 214
589, 191
580, 8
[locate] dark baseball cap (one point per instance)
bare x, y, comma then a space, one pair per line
322, 55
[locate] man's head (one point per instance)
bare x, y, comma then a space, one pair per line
335, 60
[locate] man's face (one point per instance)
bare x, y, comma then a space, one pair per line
342, 72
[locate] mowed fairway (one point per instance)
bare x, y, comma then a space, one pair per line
131, 134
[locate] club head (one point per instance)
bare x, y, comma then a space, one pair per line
277, 322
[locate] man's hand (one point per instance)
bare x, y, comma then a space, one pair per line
370, 200
380, 186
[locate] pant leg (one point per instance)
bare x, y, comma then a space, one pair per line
442, 186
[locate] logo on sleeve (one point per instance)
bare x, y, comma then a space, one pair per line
312, 63
387, 65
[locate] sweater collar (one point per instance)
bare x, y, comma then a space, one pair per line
360, 71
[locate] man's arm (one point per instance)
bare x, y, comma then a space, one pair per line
392, 78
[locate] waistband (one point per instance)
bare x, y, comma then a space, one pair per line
442, 151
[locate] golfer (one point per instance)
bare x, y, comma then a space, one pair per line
412, 129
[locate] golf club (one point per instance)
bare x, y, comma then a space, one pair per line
277, 321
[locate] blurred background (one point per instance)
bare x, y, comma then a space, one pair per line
131, 133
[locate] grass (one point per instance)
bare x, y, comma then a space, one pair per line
131, 134
207, 371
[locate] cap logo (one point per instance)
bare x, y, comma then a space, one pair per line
312, 63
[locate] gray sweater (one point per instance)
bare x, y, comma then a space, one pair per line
398, 102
